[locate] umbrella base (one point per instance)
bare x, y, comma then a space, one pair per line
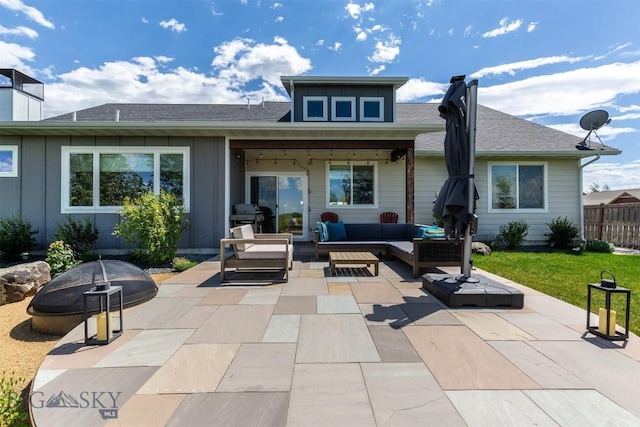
455, 291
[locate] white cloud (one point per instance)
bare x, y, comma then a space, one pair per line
241, 60
514, 67
214, 13
531, 27
418, 88
276, 6
566, 93
618, 176
450, 32
624, 109
17, 56
280, 19
145, 20
632, 116
386, 51
377, 28
467, 31
20, 31
376, 70
606, 133
362, 36
336, 47
174, 25
355, 10
31, 12
504, 28
320, 42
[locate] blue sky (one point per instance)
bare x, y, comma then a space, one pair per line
550, 61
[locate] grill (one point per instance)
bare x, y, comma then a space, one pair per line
246, 213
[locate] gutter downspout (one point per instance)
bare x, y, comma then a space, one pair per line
595, 159
293, 99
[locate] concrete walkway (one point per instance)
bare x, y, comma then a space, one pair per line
351, 350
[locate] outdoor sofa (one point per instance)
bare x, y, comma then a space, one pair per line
256, 251
401, 241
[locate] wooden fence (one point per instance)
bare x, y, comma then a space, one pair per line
618, 224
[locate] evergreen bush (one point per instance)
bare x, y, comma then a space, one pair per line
80, 235
16, 237
562, 234
600, 246
512, 234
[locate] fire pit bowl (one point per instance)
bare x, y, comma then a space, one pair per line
58, 306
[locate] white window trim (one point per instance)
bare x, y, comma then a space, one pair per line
13, 173
380, 100
305, 116
96, 151
335, 100
545, 177
351, 206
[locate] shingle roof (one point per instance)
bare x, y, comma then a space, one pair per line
609, 196
497, 133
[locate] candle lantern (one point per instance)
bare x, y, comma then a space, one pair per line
606, 316
104, 292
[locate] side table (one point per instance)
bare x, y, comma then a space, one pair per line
618, 336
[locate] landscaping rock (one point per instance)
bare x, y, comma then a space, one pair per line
480, 248
22, 280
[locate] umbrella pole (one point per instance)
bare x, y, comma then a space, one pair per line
472, 106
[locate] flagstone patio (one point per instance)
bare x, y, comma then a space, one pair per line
350, 350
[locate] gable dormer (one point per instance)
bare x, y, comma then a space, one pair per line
343, 99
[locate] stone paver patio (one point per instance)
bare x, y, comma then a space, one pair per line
351, 350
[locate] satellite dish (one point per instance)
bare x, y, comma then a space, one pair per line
592, 121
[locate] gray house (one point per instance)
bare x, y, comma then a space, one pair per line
343, 144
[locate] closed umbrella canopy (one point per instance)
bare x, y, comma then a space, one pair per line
452, 203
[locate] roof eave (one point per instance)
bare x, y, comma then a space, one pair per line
546, 153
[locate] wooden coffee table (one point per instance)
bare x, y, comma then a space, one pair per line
336, 258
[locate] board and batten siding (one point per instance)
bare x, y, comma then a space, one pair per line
35, 193
563, 197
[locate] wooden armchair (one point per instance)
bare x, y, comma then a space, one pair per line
259, 251
329, 216
388, 217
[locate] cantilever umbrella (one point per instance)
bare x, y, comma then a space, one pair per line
452, 203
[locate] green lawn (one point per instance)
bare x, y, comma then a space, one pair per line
565, 276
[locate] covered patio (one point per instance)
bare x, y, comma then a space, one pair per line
350, 349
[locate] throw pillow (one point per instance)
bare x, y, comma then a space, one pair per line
337, 231
323, 233
421, 231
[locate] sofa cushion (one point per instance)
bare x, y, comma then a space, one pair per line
243, 232
266, 251
403, 246
394, 231
364, 231
336, 231
323, 232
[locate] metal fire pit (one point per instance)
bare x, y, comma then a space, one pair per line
59, 307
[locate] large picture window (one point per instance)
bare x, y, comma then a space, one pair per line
517, 186
351, 184
97, 179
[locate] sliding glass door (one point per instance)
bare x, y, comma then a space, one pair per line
283, 199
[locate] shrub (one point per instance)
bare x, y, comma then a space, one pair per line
61, 258
600, 246
183, 264
562, 233
80, 235
12, 410
16, 237
512, 234
154, 224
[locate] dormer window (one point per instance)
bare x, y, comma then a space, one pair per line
371, 109
343, 109
314, 108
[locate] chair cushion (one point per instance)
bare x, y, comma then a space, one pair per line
364, 231
243, 232
391, 231
266, 251
323, 232
336, 231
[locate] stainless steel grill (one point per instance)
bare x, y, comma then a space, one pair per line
246, 213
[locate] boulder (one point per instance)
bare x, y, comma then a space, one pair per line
22, 280
480, 248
